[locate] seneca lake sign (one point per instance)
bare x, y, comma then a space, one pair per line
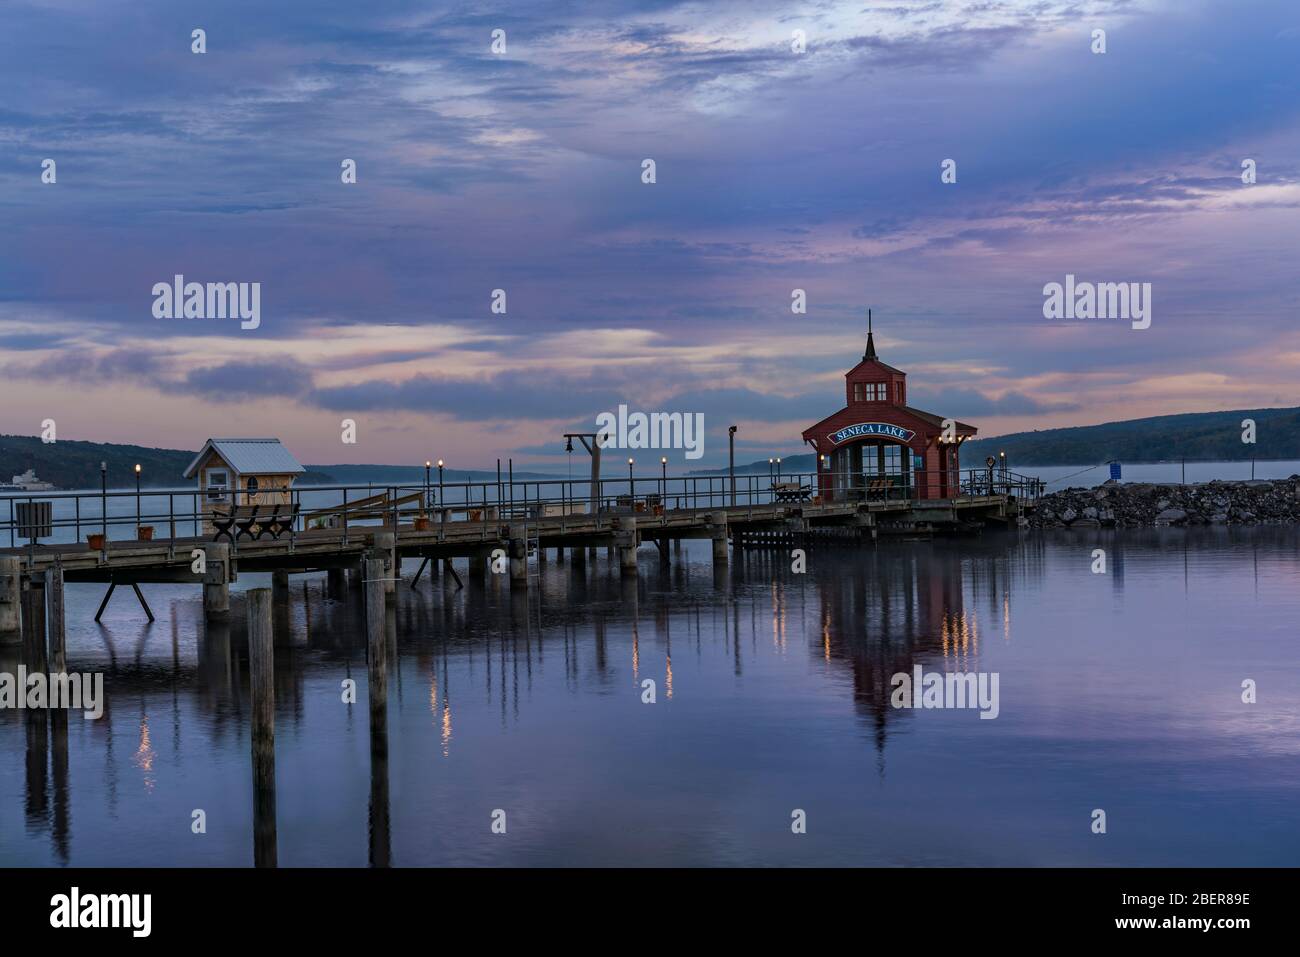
871, 428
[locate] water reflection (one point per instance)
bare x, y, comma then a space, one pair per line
491, 695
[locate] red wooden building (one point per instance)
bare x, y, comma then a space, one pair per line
879, 444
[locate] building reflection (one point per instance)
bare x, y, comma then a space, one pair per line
867, 612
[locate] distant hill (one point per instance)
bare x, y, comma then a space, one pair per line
68, 464
1195, 436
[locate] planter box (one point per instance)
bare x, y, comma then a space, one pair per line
95, 542
144, 533
421, 524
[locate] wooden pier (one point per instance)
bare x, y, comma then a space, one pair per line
499, 535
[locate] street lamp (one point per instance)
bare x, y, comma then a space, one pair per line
778, 468
442, 497
631, 482
731, 460
103, 500
427, 483
137, 498
663, 487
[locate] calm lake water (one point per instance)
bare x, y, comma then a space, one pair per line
1119, 691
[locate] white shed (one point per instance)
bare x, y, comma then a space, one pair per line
254, 471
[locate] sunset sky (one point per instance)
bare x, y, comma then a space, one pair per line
522, 171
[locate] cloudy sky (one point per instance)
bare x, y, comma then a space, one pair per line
521, 171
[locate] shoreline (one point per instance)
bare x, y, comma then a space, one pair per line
1152, 504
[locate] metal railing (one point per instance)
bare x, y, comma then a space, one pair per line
118, 514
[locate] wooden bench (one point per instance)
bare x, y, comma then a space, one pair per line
236, 521
273, 520
879, 487
280, 521
790, 491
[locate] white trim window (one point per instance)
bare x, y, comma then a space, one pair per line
218, 485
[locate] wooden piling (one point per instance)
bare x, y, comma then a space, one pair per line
718, 523
337, 583
376, 647
11, 595
35, 649
261, 667
55, 619
627, 544
386, 550
518, 555
216, 580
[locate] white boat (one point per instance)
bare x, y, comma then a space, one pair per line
28, 482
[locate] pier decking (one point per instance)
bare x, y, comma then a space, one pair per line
493, 525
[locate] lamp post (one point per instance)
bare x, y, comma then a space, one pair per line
442, 496
137, 498
428, 482
103, 500
731, 460
778, 468
631, 482
663, 485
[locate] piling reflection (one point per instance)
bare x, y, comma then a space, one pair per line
469, 670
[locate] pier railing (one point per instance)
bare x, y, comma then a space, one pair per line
61, 517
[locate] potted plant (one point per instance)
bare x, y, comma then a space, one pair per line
144, 533
95, 541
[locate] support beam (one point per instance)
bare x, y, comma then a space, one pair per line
518, 555
718, 526
336, 582
216, 580
627, 542
11, 600
55, 619
261, 667
386, 549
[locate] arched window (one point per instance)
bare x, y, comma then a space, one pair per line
251, 488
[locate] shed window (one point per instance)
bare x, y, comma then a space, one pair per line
218, 484
252, 485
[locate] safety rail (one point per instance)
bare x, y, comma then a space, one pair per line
120, 514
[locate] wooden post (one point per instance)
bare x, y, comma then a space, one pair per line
376, 647
627, 544
337, 583
377, 625
478, 564
34, 643
261, 667
518, 555
718, 520
11, 600
216, 580
55, 621
386, 547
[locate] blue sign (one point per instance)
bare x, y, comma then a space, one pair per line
895, 432
1114, 471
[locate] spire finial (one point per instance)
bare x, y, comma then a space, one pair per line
871, 345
